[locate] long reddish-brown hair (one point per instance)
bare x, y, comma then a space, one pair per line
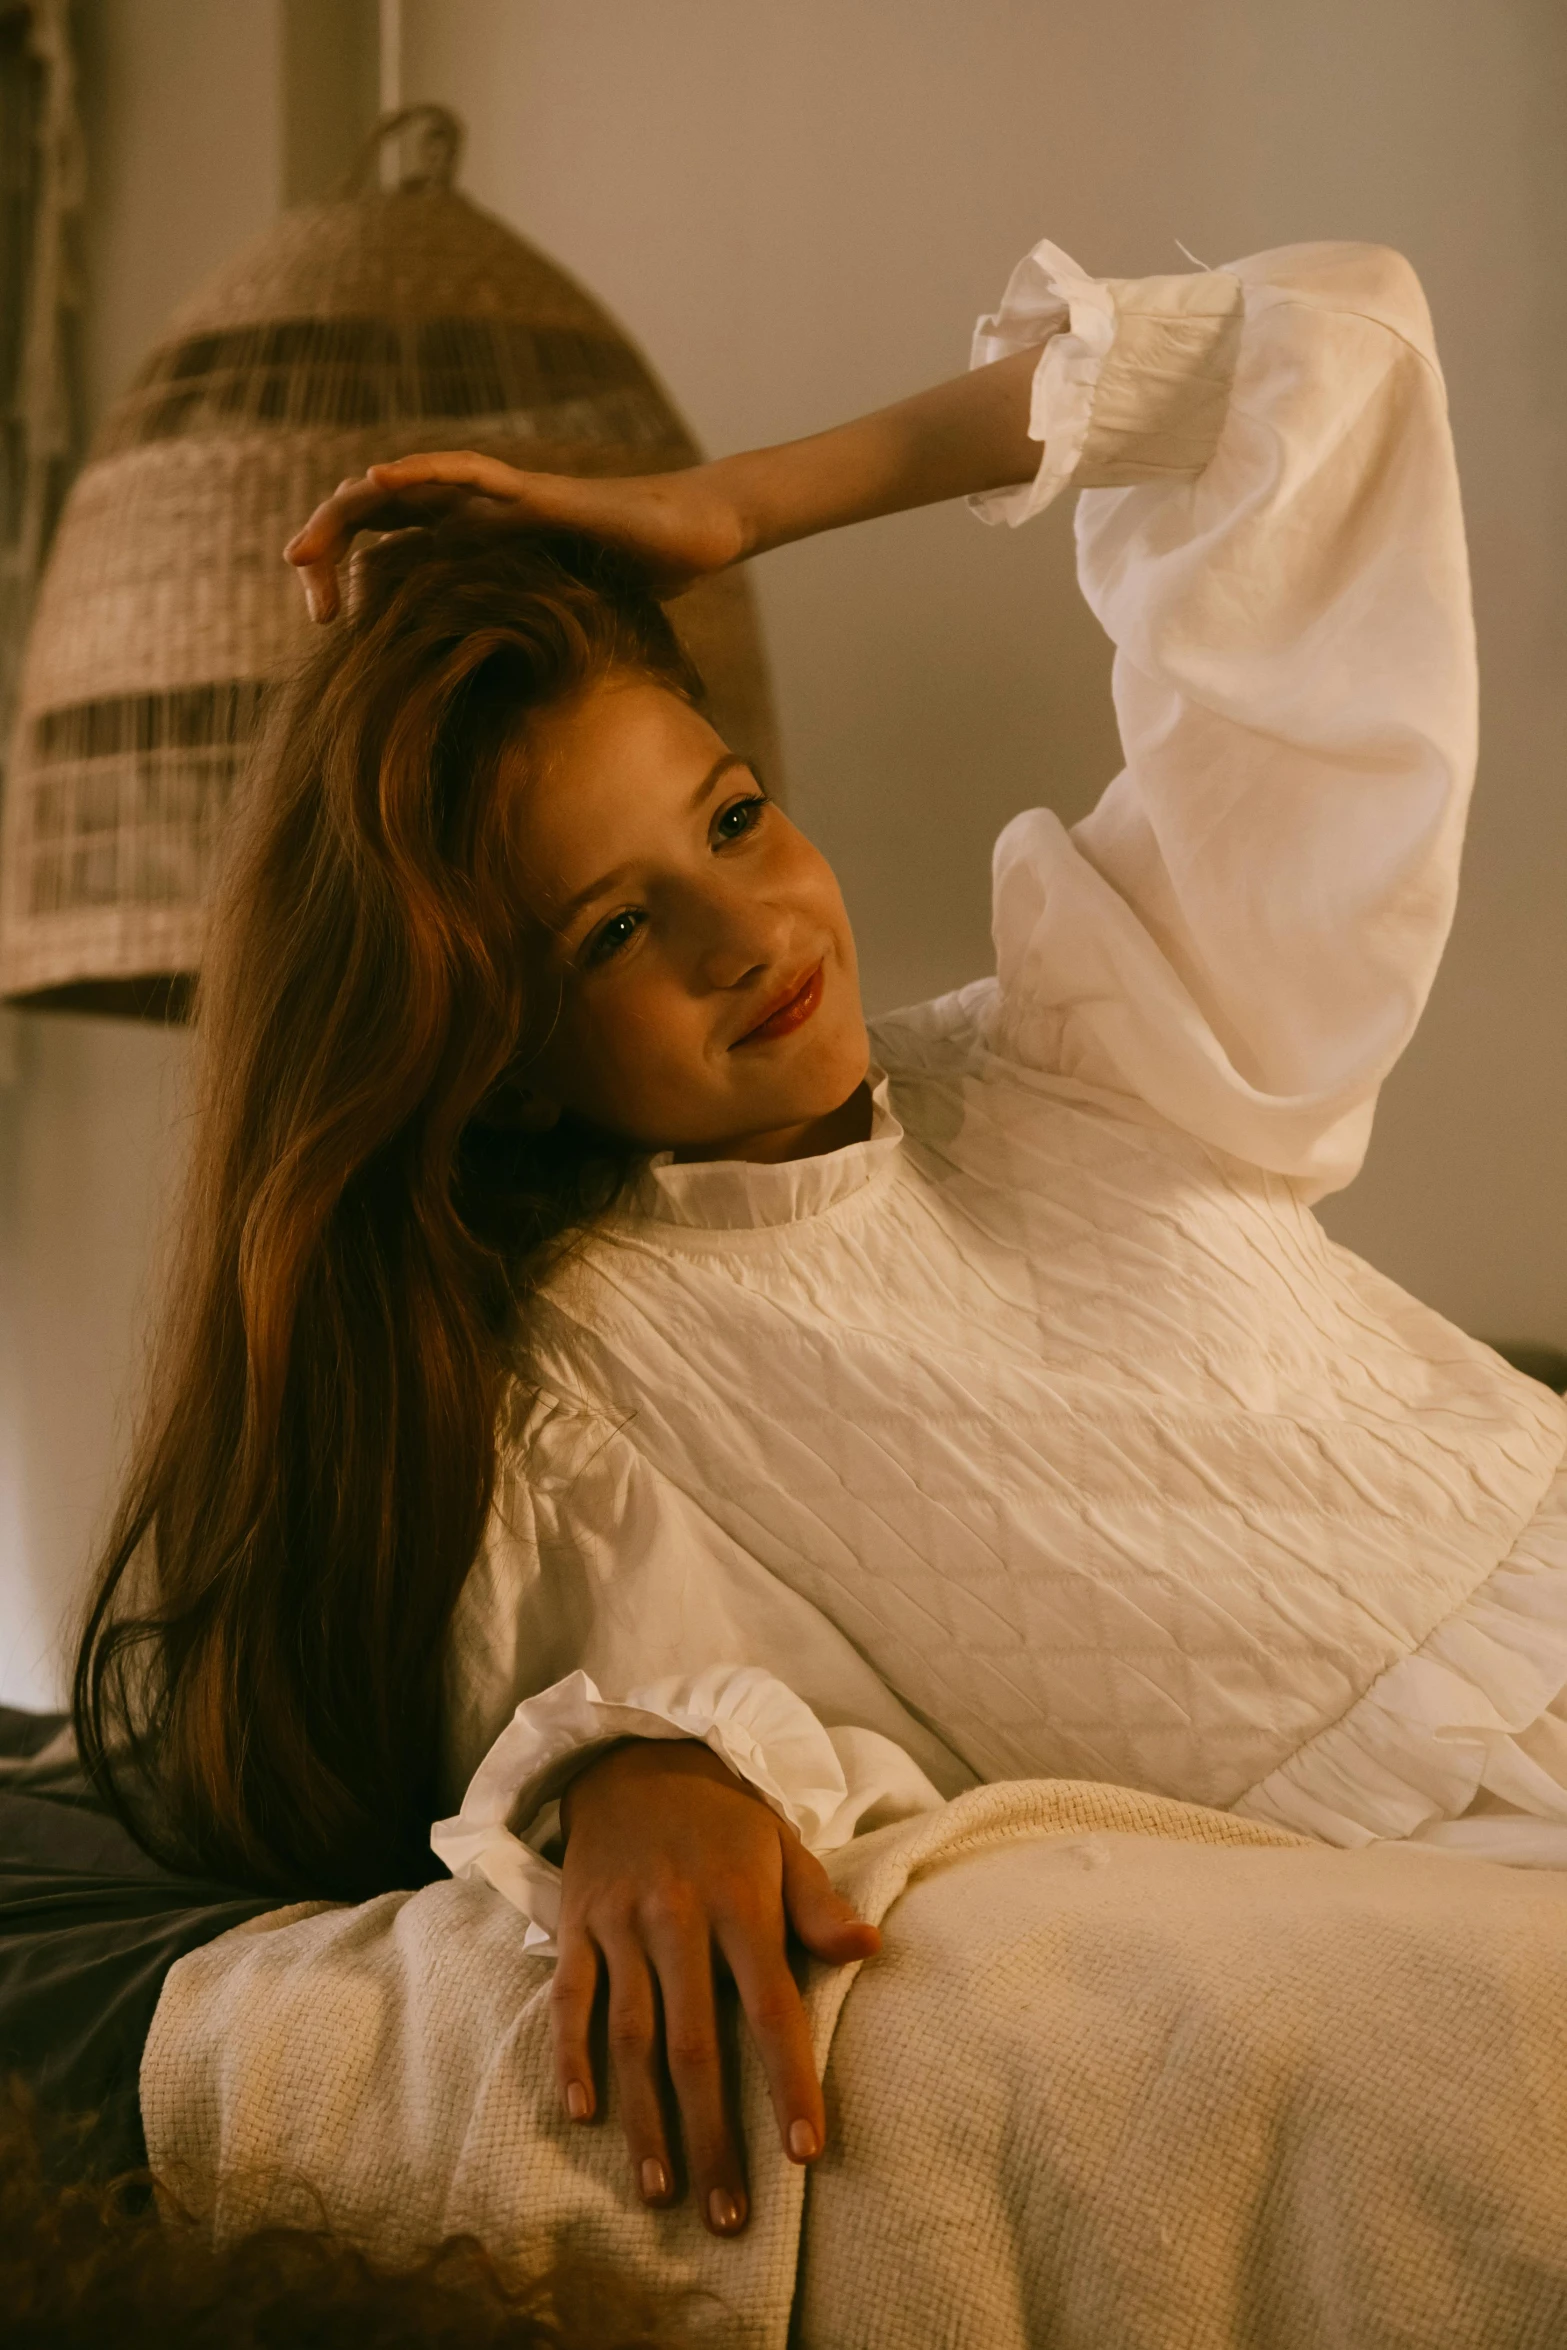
258, 1684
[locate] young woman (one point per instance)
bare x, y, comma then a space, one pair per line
768, 1427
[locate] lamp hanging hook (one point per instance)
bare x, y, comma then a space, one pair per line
438, 153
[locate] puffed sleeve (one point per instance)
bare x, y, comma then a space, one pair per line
1244, 931
605, 1604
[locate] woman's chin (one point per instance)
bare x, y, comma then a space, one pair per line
816, 1091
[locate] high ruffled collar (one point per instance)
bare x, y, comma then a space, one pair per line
732, 1195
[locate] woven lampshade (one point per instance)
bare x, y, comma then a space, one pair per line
354, 329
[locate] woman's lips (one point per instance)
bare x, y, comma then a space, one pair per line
789, 1015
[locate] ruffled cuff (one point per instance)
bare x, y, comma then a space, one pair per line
1133, 384
766, 1735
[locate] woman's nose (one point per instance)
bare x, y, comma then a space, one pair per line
741, 937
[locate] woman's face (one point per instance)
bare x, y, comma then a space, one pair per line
695, 941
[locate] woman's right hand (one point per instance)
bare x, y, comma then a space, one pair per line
673, 1866
679, 526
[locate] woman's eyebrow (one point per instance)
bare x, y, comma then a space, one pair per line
608, 881
719, 767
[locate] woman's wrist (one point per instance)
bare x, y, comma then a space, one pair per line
745, 490
636, 1757
570, 1791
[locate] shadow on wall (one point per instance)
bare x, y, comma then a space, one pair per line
1548, 1364
91, 1144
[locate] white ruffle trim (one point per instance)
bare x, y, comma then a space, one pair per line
753, 1722
710, 1198
1046, 292
1467, 1715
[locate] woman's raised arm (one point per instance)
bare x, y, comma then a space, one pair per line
955, 440
1243, 932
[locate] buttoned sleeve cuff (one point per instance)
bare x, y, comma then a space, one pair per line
1132, 385
828, 1784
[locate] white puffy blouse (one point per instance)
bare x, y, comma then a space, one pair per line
1045, 1433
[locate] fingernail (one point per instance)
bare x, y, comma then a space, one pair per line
655, 2179
723, 2210
576, 2101
803, 2142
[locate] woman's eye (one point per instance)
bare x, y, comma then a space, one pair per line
740, 817
611, 936
732, 823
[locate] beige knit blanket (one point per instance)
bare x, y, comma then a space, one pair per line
1127, 2075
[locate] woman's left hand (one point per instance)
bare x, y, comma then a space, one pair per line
679, 526
676, 1873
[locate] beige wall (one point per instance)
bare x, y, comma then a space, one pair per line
798, 209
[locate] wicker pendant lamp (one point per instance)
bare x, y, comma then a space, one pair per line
355, 329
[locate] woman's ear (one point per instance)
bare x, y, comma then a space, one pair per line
520, 1109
